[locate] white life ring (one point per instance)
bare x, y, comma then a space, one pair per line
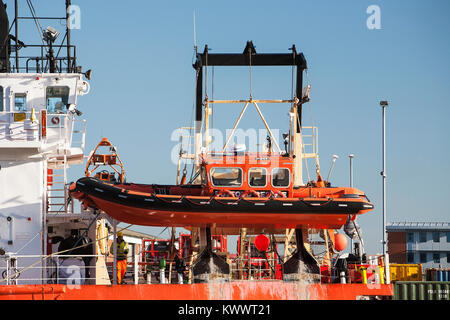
84, 89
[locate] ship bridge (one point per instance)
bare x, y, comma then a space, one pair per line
38, 114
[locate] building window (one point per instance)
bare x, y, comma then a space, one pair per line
436, 236
20, 102
226, 177
280, 177
57, 99
448, 236
448, 257
1, 99
410, 237
257, 177
410, 257
422, 236
423, 257
436, 257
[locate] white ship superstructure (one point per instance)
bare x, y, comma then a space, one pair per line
41, 135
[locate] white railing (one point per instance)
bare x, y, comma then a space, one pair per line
79, 134
60, 269
19, 126
26, 127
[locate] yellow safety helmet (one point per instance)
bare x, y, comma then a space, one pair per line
120, 234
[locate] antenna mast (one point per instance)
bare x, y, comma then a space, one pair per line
195, 36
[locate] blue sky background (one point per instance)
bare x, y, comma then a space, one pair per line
142, 86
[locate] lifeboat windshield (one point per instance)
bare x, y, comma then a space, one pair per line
281, 177
257, 177
226, 177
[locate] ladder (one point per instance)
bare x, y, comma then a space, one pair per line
56, 187
185, 145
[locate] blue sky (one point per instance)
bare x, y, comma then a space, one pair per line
143, 86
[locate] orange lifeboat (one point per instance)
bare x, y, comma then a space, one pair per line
254, 190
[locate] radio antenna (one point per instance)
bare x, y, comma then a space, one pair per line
195, 36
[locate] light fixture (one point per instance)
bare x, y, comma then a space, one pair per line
72, 108
331, 168
306, 93
50, 34
88, 74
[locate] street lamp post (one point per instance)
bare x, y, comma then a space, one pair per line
351, 186
383, 105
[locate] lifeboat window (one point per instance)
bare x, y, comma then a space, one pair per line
257, 177
226, 177
1, 99
20, 102
280, 177
57, 99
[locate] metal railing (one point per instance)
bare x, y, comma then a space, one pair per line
310, 136
61, 128
254, 269
38, 55
52, 269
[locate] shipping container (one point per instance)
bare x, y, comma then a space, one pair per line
405, 272
437, 274
421, 290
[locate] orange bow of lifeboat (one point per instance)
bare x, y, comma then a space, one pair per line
228, 191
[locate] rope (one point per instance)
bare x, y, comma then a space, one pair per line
169, 201
36, 22
200, 204
320, 205
38, 233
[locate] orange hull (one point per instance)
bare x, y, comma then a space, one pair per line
141, 216
238, 290
124, 203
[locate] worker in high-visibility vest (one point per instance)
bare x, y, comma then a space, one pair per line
122, 252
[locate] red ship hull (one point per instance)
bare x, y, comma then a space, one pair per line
237, 290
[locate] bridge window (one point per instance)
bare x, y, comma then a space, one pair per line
57, 99
226, 177
257, 177
20, 102
280, 177
1, 99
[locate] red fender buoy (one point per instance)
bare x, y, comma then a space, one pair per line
340, 242
262, 242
